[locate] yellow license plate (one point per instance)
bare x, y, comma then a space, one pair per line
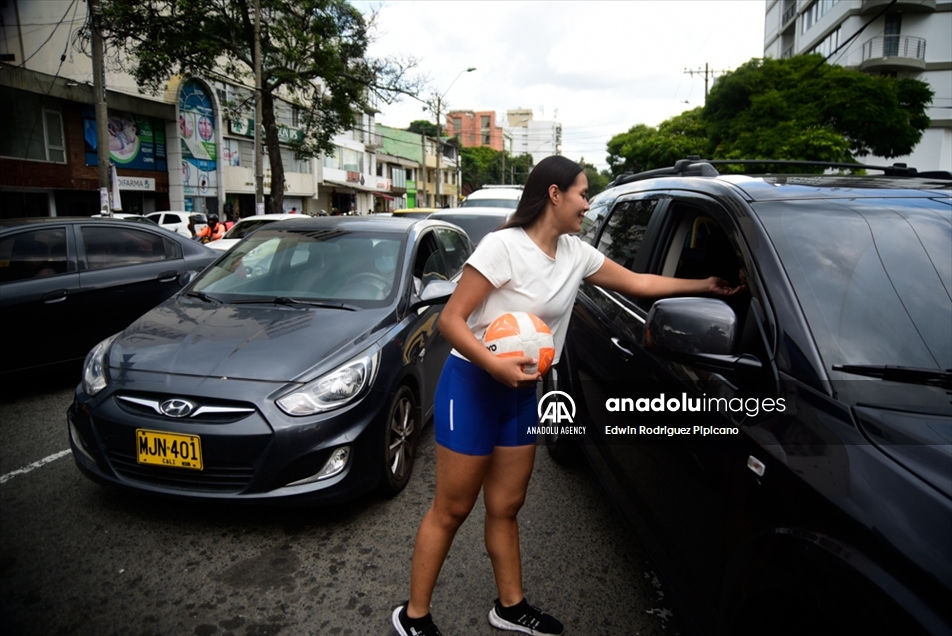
168, 449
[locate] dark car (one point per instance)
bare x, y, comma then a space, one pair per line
67, 283
785, 454
304, 378
477, 222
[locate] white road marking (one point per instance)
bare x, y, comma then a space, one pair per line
36, 464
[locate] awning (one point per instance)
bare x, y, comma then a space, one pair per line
383, 196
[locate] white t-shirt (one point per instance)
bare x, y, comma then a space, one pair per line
527, 279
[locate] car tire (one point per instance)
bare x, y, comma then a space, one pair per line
402, 430
564, 449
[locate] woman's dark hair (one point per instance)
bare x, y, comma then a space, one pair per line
553, 170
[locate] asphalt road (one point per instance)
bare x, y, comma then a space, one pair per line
76, 558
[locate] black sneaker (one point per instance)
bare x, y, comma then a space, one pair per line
524, 618
407, 626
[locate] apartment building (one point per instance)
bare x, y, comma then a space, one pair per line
529, 136
904, 38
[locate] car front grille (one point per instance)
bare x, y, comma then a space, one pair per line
219, 477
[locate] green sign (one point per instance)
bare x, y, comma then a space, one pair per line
245, 127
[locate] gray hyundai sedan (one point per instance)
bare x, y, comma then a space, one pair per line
298, 368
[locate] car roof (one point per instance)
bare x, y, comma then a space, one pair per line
703, 176
496, 192
395, 224
69, 220
473, 211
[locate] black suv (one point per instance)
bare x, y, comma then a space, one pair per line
785, 455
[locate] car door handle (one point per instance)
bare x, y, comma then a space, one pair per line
626, 353
55, 296
167, 277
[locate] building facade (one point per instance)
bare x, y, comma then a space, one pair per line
906, 38
528, 136
190, 148
475, 128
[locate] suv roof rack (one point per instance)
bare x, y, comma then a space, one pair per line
694, 166
512, 186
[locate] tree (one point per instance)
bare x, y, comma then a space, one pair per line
482, 165
646, 148
803, 108
422, 127
597, 181
798, 108
313, 54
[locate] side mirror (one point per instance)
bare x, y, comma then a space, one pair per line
186, 278
434, 293
701, 332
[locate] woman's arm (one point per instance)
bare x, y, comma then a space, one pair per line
473, 287
613, 276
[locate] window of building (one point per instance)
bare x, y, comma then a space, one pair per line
829, 44
457, 125
814, 12
231, 152
31, 128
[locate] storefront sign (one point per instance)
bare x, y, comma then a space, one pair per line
136, 183
245, 127
199, 150
355, 177
135, 142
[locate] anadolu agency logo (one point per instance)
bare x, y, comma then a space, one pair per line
556, 415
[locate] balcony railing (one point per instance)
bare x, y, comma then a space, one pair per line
894, 52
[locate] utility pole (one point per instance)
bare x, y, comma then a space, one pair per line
423, 165
708, 73
259, 150
439, 151
102, 116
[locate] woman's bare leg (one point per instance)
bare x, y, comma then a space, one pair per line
505, 486
459, 478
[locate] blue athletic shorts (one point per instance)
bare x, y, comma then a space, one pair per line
473, 412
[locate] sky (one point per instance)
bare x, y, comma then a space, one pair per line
599, 68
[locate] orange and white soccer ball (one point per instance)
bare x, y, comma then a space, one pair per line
519, 333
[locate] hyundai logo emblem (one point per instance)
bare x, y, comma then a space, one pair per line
176, 407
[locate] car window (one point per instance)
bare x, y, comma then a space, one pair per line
626, 229
35, 254
357, 268
172, 218
115, 247
874, 277
476, 225
244, 228
591, 222
510, 204
455, 249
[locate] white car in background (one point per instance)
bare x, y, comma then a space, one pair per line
494, 196
176, 221
246, 226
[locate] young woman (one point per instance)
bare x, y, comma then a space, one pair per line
486, 404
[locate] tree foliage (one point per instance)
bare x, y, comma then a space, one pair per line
645, 147
313, 54
803, 108
798, 108
422, 127
481, 165
597, 181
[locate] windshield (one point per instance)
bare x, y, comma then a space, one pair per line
490, 203
361, 269
873, 276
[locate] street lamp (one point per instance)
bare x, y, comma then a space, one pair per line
439, 136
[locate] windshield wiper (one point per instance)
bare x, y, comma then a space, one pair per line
909, 375
202, 296
286, 300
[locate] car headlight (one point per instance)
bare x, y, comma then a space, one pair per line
335, 389
95, 375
